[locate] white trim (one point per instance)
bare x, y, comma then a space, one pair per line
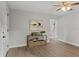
6, 52
19, 45
74, 44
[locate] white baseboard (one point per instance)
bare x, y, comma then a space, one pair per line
19, 45
74, 44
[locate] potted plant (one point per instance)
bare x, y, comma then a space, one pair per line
42, 32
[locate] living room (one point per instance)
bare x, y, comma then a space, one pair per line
39, 29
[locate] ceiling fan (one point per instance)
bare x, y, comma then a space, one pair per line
66, 6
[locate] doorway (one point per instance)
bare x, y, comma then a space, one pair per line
53, 28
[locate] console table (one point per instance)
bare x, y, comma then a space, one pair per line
37, 40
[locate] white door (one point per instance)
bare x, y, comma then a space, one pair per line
1, 34
5, 37
3, 29
53, 27
1, 41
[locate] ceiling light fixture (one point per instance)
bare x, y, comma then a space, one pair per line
65, 8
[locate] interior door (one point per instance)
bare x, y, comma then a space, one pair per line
53, 27
1, 34
5, 36
3, 29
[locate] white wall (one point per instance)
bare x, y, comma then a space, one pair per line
19, 25
62, 29
68, 28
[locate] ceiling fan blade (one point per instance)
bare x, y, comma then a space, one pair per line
77, 3
58, 9
71, 9
63, 2
56, 5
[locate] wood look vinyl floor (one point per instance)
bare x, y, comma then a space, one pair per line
53, 49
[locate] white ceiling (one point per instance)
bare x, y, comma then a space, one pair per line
37, 6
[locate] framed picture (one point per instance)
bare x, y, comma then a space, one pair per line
36, 25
